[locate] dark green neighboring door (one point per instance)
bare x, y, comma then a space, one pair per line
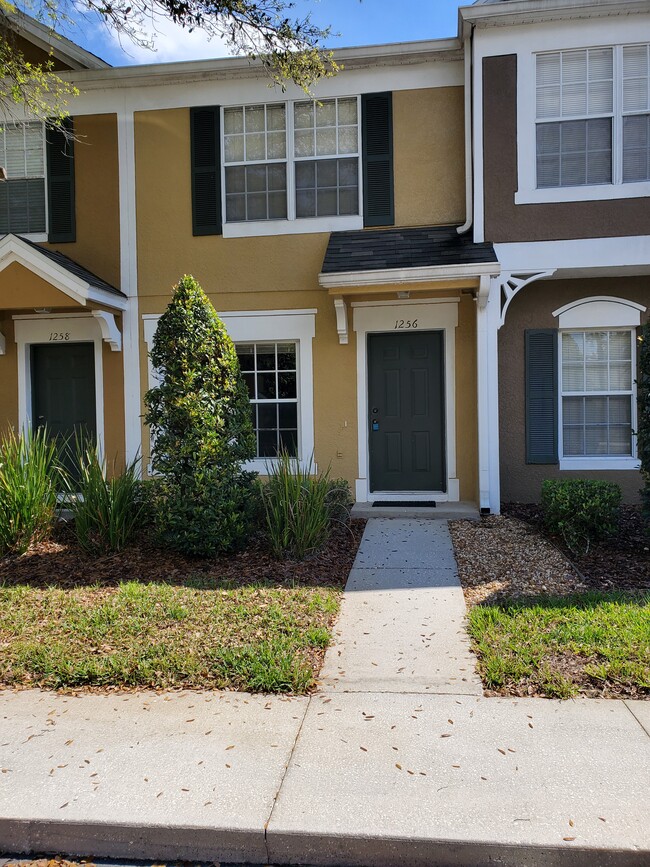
406, 416
63, 388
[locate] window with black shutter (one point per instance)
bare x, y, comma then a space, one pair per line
377, 126
541, 396
60, 183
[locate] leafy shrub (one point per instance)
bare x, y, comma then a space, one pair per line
201, 429
300, 507
30, 479
106, 511
582, 511
643, 415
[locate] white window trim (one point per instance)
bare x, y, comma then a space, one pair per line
39, 237
292, 225
528, 192
595, 462
272, 326
435, 314
36, 329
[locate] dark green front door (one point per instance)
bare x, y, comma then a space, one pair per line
406, 418
63, 389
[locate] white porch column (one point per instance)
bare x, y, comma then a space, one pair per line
487, 327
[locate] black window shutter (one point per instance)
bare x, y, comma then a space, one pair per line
206, 170
62, 227
377, 133
541, 396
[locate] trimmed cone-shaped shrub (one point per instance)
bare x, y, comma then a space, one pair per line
201, 429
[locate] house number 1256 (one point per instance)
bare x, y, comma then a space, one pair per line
406, 323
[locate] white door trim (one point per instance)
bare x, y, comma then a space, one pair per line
81, 328
432, 314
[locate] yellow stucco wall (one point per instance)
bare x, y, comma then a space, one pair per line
22, 289
429, 162
97, 246
8, 375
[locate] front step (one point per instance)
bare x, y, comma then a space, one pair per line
442, 512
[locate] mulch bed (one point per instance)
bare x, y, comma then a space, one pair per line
620, 563
59, 562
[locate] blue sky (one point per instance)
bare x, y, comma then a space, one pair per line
354, 23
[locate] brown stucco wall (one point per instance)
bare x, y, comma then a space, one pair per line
505, 221
429, 156
97, 246
532, 308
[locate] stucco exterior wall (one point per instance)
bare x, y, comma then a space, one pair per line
97, 246
429, 156
533, 308
8, 375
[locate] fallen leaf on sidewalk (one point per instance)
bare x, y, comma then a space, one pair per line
398, 766
568, 839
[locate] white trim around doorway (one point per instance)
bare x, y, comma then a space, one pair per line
432, 314
38, 328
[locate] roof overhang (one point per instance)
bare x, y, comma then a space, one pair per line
468, 275
531, 11
14, 249
47, 40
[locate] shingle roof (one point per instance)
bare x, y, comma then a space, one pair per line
422, 247
74, 268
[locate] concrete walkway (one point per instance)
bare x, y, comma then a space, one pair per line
401, 626
381, 767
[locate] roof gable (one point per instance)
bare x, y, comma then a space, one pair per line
43, 38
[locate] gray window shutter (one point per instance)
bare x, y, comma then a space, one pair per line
62, 226
377, 153
541, 396
206, 170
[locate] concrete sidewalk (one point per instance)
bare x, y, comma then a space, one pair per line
367, 772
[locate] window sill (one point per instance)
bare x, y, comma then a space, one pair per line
263, 465
595, 193
34, 237
604, 463
313, 225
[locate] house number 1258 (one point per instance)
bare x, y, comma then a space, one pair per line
406, 323
59, 335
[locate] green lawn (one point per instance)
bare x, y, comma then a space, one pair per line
255, 637
593, 643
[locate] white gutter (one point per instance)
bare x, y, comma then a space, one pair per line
469, 163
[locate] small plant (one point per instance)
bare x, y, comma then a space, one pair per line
582, 511
300, 507
201, 428
106, 511
30, 479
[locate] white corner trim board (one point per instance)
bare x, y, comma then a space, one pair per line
277, 326
436, 314
600, 311
37, 328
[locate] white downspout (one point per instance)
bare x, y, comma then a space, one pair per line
469, 168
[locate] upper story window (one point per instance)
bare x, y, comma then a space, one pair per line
593, 116
291, 161
22, 195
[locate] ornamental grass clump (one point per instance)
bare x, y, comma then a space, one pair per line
300, 507
581, 511
201, 430
107, 511
30, 478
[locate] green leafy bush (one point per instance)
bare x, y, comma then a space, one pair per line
30, 479
201, 429
582, 511
300, 507
643, 415
106, 511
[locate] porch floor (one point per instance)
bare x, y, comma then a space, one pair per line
442, 512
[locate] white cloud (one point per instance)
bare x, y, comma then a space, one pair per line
171, 43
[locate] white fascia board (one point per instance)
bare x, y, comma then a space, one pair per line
587, 253
108, 299
382, 277
531, 11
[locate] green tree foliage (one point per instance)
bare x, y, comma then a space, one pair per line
201, 429
290, 49
643, 414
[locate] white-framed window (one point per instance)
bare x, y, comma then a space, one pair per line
597, 394
636, 113
270, 371
22, 195
293, 161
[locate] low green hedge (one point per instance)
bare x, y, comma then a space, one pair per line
582, 511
